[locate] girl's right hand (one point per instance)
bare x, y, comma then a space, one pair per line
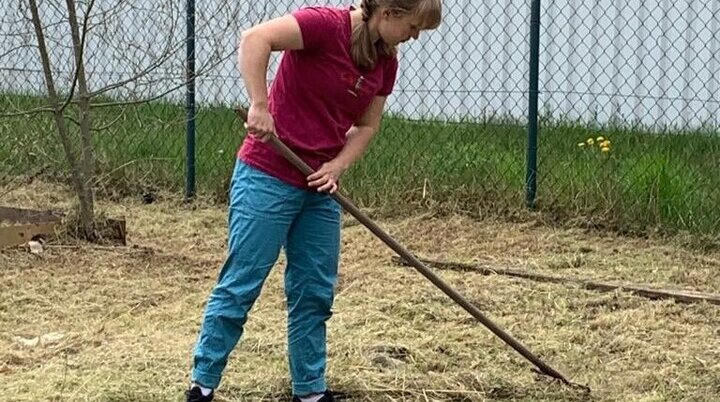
260, 123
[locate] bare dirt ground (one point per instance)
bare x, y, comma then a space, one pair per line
117, 324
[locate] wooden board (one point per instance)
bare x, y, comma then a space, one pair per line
21, 234
20, 225
685, 296
18, 215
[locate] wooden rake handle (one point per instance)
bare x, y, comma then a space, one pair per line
415, 262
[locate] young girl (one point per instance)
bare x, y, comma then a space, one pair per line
325, 103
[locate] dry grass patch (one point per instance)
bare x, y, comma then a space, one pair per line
124, 320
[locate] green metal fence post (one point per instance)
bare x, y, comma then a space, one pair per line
190, 101
531, 178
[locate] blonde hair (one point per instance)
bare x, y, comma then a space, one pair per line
364, 52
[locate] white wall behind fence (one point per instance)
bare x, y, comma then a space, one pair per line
652, 62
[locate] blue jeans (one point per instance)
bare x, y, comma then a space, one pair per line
265, 215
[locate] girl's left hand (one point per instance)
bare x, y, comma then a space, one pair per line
326, 178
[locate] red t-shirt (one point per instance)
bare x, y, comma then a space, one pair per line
318, 93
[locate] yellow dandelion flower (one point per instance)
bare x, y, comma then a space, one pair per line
605, 149
606, 143
582, 144
590, 141
600, 139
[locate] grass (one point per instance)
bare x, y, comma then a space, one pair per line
648, 181
124, 320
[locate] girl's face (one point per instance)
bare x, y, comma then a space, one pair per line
395, 28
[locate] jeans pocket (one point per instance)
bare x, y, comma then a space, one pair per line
259, 194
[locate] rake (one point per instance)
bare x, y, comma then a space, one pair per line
542, 367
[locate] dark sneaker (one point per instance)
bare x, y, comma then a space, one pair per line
327, 397
194, 395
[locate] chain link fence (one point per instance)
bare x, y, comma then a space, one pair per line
629, 108
640, 78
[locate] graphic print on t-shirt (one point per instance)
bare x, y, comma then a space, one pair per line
355, 83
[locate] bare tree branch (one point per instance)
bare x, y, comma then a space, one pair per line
139, 78
52, 92
134, 78
87, 213
200, 73
79, 64
101, 128
107, 14
16, 48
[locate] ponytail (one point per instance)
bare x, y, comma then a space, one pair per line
364, 52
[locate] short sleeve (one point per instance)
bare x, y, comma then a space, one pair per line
316, 24
389, 76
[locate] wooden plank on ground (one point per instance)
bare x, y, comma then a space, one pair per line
685, 296
19, 215
21, 234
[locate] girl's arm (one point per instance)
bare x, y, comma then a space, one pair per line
358, 139
254, 50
